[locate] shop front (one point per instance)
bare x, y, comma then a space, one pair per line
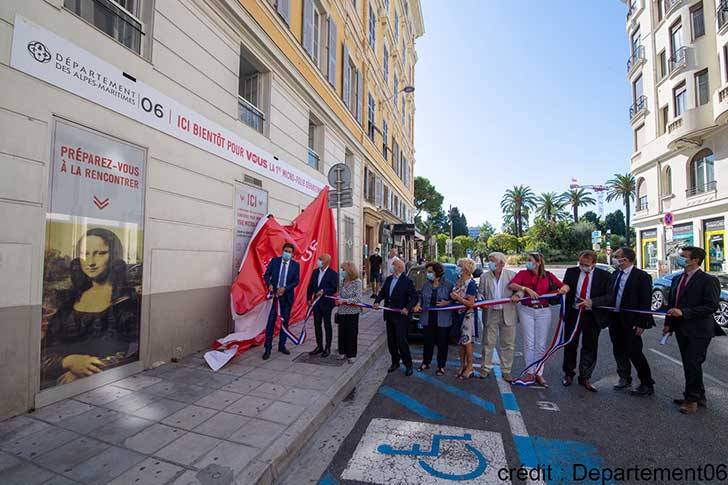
648, 249
714, 238
677, 237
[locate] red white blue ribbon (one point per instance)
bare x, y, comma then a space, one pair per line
284, 328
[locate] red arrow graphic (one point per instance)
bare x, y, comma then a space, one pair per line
101, 204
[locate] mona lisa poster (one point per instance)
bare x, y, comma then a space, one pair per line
92, 279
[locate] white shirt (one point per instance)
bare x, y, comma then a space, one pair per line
622, 282
322, 272
580, 282
498, 287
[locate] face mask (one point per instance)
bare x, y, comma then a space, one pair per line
320, 264
681, 261
491, 265
431, 276
585, 269
286, 256
530, 265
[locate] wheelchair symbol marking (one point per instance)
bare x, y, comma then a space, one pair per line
416, 450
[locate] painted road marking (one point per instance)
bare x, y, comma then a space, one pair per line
487, 405
547, 406
410, 403
705, 376
328, 479
406, 452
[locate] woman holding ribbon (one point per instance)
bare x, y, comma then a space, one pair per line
535, 314
435, 293
347, 315
464, 293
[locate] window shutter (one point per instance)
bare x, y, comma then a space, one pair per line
332, 53
308, 26
359, 96
346, 73
284, 9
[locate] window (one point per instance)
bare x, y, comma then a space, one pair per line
403, 109
396, 89
702, 91
371, 116
664, 115
386, 5
637, 89
372, 28
283, 7
701, 172
118, 19
635, 41
314, 142
639, 137
385, 135
317, 37
396, 25
722, 14
385, 63
662, 59
641, 195
667, 181
679, 95
725, 59
675, 39
659, 10
395, 154
250, 92
351, 93
697, 18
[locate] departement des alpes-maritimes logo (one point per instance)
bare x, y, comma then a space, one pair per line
39, 51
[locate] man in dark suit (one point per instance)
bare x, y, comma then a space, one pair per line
282, 276
584, 281
630, 289
324, 282
693, 299
398, 291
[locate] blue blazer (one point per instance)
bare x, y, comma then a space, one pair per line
272, 274
330, 285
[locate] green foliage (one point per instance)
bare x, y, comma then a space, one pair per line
577, 198
503, 242
550, 207
614, 221
516, 204
461, 244
459, 222
623, 187
486, 230
427, 198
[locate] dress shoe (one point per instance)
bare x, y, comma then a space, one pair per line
567, 381
266, 355
701, 402
507, 377
393, 368
623, 384
584, 382
284, 351
408, 372
643, 390
325, 353
688, 407
316, 351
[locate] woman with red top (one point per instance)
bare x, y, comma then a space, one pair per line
535, 314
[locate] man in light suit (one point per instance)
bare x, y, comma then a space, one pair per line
499, 320
324, 282
282, 277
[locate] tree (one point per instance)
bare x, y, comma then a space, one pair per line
486, 230
623, 187
614, 222
591, 216
516, 204
459, 222
461, 244
427, 198
503, 242
550, 207
577, 198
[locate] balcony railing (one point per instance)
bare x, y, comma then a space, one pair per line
632, 8
313, 159
723, 94
669, 5
638, 107
249, 114
701, 189
674, 125
679, 60
637, 56
111, 18
722, 14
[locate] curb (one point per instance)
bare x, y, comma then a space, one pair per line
272, 462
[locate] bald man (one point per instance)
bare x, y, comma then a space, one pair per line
324, 282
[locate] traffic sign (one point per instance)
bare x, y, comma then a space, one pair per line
340, 176
596, 246
668, 219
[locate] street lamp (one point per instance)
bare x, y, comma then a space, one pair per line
406, 90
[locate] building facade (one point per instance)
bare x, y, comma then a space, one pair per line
678, 73
143, 139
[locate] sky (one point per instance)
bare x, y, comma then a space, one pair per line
526, 92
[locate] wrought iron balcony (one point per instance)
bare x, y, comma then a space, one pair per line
632, 8
679, 60
249, 114
637, 58
638, 107
701, 189
722, 14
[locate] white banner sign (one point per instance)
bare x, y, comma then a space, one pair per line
42, 54
251, 204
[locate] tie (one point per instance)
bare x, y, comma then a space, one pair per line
282, 275
681, 287
617, 296
584, 286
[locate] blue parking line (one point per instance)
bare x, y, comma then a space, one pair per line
328, 479
411, 404
487, 405
509, 402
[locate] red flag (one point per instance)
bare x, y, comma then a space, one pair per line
313, 233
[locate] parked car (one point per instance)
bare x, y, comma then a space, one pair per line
661, 286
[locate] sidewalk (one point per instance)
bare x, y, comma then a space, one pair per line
183, 424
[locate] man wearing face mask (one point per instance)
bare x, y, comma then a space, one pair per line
630, 288
693, 299
324, 282
282, 276
499, 321
585, 281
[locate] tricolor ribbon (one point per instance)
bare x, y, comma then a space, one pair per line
284, 328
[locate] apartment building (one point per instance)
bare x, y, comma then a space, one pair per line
678, 73
141, 142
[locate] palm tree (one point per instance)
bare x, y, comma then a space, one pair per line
517, 203
623, 187
550, 207
577, 198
